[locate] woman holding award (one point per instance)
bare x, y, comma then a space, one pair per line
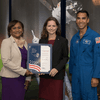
14, 57
51, 85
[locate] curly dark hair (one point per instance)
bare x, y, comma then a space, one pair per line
44, 31
12, 23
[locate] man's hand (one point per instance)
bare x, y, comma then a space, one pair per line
94, 82
53, 72
28, 73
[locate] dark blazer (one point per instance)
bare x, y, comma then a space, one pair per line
59, 56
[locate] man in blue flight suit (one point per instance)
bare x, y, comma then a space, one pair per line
84, 64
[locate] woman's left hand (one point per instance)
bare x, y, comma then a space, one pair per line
26, 84
53, 72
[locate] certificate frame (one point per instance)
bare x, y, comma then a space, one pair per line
39, 58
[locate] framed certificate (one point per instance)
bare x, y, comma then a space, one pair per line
39, 58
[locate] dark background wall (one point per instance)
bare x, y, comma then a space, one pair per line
4, 18
27, 11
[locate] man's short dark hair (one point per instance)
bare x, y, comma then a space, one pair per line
83, 11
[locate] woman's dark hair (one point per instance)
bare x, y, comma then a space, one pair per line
83, 11
44, 31
12, 23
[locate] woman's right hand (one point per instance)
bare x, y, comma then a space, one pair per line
28, 73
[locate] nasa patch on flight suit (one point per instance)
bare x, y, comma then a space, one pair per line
86, 41
97, 40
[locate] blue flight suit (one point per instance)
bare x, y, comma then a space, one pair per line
84, 64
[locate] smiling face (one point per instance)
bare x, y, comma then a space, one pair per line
82, 20
16, 31
51, 27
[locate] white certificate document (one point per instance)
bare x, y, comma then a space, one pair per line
45, 58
